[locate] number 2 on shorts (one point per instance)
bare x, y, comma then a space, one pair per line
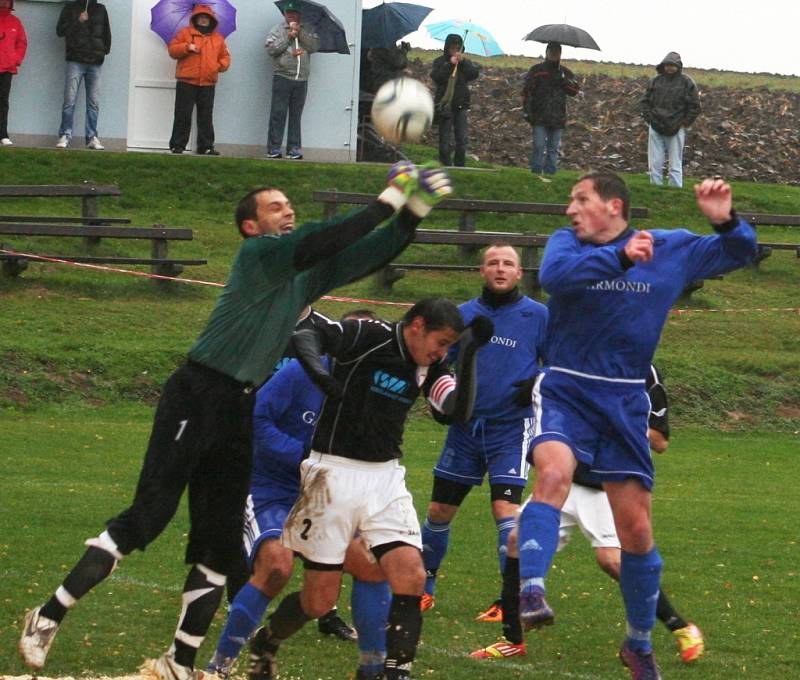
304, 532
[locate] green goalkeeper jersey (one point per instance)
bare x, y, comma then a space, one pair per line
272, 279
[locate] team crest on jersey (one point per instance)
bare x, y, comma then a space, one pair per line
390, 386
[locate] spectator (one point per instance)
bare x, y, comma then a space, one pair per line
290, 45
669, 106
87, 32
451, 72
379, 65
202, 55
544, 105
13, 44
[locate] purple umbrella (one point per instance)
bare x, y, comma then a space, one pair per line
167, 17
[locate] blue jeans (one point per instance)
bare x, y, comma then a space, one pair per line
288, 96
660, 147
546, 141
90, 74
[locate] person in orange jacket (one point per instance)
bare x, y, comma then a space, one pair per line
13, 44
202, 55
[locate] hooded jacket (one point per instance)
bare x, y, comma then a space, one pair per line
671, 101
87, 42
14, 43
200, 68
442, 69
280, 46
545, 91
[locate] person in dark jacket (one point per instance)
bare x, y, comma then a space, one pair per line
669, 106
379, 65
544, 105
84, 25
13, 44
451, 72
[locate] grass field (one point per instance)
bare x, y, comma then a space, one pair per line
724, 516
84, 354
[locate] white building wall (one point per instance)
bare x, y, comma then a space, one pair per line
242, 105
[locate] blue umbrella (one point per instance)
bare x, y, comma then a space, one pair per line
477, 40
322, 21
167, 17
384, 25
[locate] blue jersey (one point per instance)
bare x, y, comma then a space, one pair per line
606, 320
513, 354
286, 410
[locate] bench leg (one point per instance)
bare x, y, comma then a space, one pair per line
14, 266
388, 275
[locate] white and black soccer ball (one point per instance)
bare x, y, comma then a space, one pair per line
402, 110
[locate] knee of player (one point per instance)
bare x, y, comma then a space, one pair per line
317, 602
441, 512
272, 568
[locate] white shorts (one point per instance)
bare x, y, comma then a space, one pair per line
339, 497
589, 510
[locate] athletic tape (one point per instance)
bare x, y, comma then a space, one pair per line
336, 298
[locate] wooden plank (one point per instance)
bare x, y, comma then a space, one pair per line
99, 231
781, 246
479, 238
65, 220
465, 204
771, 220
444, 267
101, 259
58, 190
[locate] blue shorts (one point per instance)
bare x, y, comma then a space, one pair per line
604, 422
263, 520
497, 447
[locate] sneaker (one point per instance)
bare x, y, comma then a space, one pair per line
363, 675
211, 151
6, 142
500, 650
691, 643
333, 624
274, 154
37, 636
493, 614
166, 668
534, 612
176, 149
427, 602
63, 142
295, 155
263, 649
641, 664
219, 667
94, 143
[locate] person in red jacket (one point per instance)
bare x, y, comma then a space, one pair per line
13, 44
202, 55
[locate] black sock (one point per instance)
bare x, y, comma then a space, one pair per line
667, 614
202, 594
95, 565
288, 618
402, 633
512, 628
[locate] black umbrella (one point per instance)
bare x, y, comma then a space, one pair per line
563, 34
323, 22
384, 25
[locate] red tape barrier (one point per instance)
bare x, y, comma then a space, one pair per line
335, 298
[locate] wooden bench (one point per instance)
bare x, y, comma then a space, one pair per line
765, 249
88, 192
159, 236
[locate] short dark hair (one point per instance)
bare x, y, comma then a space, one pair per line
438, 313
610, 185
247, 206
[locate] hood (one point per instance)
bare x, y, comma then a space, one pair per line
204, 9
671, 58
452, 39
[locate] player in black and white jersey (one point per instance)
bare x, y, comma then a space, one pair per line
353, 481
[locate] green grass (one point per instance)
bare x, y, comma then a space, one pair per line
724, 517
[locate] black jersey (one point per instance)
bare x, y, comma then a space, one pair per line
310, 320
380, 382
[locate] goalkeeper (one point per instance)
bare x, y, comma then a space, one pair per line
202, 431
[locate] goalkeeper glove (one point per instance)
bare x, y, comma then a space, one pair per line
401, 180
433, 186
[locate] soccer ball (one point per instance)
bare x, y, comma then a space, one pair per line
402, 110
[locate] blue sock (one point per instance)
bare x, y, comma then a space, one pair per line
370, 603
504, 527
639, 580
246, 612
435, 537
538, 540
